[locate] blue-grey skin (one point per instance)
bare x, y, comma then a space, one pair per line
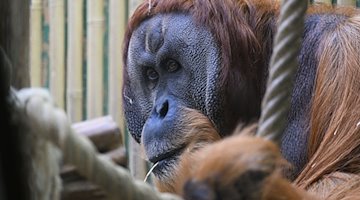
156, 105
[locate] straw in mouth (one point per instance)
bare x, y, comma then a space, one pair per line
151, 169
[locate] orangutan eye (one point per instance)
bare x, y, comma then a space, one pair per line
152, 75
172, 66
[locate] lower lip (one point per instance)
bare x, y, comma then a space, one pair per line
165, 165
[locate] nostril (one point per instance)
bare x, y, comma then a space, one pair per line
164, 109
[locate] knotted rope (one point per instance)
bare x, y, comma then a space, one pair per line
283, 65
52, 124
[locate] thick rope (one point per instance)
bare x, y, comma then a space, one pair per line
283, 65
52, 124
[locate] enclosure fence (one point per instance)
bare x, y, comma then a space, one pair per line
338, 2
75, 52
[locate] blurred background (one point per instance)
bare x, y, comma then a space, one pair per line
74, 49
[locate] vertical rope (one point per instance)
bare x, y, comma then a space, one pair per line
283, 64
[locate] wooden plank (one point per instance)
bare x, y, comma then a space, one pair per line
57, 51
102, 131
35, 43
78, 188
95, 51
74, 90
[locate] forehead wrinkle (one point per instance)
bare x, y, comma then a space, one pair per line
154, 37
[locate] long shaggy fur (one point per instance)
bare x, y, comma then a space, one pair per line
333, 145
334, 142
249, 169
